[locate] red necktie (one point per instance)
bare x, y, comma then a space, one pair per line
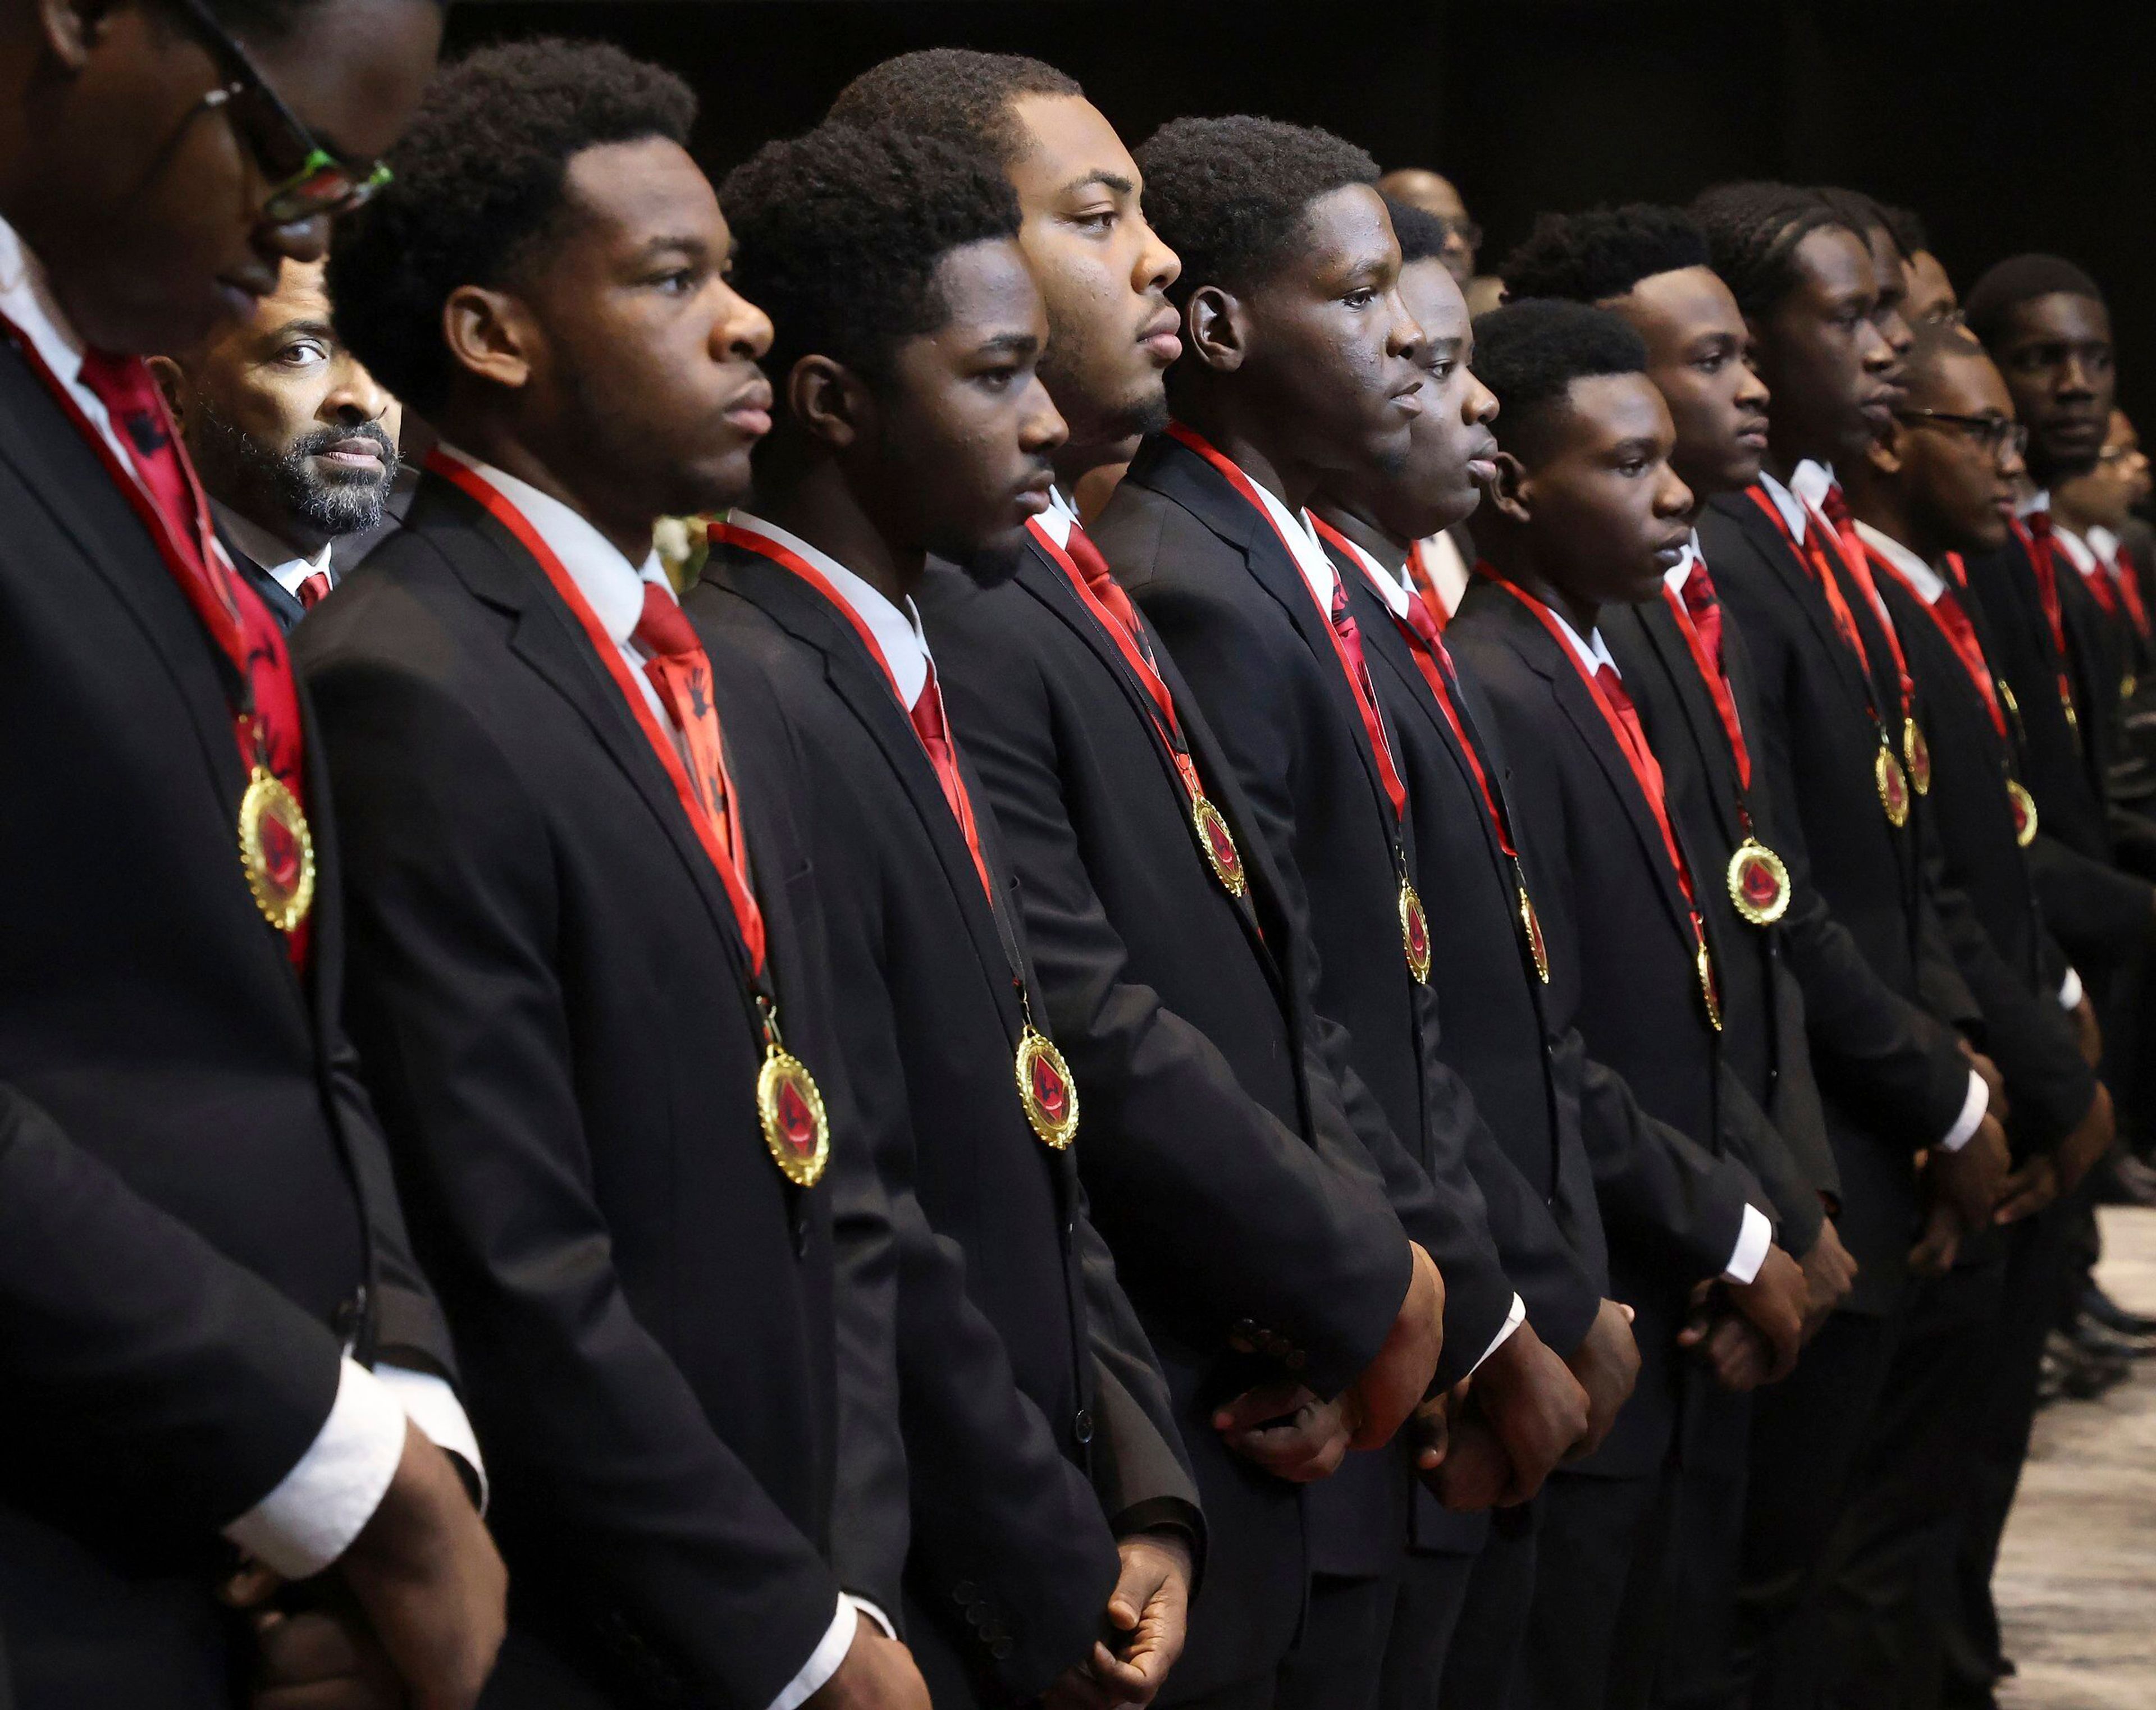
1101, 581
1705, 610
1351, 638
928, 724
309, 593
681, 670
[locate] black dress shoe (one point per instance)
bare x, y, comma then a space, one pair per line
2099, 1342
2081, 1375
2106, 1312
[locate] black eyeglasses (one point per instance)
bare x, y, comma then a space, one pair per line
1997, 435
307, 180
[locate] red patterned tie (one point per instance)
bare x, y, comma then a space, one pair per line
929, 724
1704, 609
1351, 639
681, 670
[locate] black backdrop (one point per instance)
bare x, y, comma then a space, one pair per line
2009, 123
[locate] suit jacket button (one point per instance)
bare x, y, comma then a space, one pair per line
1000, 1649
965, 1591
1082, 1427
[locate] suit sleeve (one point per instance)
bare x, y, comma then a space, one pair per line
1753, 1139
121, 1328
1244, 686
459, 1009
2091, 903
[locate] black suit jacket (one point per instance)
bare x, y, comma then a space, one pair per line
549, 978
1001, 1413
1232, 607
1997, 926
2100, 913
198, 1208
284, 607
1763, 1039
1623, 972
1862, 930
1218, 1156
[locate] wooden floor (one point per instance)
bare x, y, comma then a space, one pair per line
2077, 1583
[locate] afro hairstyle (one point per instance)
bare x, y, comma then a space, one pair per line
481, 178
2007, 284
1753, 231
1603, 253
1529, 352
1229, 196
1423, 234
954, 94
837, 235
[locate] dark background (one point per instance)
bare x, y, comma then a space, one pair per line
2010, 124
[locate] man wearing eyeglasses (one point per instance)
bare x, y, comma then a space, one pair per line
200, 1252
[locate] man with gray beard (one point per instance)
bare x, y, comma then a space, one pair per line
295, 443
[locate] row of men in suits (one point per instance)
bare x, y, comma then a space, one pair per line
995, 1106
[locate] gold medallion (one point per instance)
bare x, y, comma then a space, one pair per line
2128, 685
1531, 924
1219, 842
1919, 754
276, 850
1893, 786
1046, 1088
1759, 883
794, 1126
1415, 933
1707, 989
2024, 806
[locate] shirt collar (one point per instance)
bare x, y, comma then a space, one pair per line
611, 585
276, 556
1593, 652
1675, 579
2076, 548
1792, 508
1060, 518
1391, 587
898, 633
1927, 580
2034, 503
1302, 545
2104, 544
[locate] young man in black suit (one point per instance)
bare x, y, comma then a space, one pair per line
1937, 486
1221, 1159
586, 946
1298, 359
1836, 742
202, 1252
910, 420
1585, 511
296, 442
1488, 966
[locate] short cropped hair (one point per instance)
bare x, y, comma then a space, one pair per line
2007, 284
837, 235
1423, 234
1229, 196
480, 182
1753, 231
1528, 353
1602, 253
955, 94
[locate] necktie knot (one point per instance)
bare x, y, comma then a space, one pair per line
312, 589
1834, 507
662, 629
2039, 524
928, 713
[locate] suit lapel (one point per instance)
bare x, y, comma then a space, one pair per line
1782, 559
1703, 718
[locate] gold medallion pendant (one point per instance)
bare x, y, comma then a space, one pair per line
1046, 1088
1893, 786
276, 850
1707, 989
2024, 807
1531, 924
1415, 933
795, 1128
1919, 754
1759, 883
1219, 842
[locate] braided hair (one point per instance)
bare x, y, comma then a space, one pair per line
1753, 231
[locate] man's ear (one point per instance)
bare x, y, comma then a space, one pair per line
490, 334
1884, 454
830, 401
1217, 327
173, 386
1509, 491
71, 28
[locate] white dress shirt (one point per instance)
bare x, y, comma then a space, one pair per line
1449, 572
328, 1495
287, 568
898, 634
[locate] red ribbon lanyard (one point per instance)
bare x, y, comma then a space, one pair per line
1822, 574
1436, 668
1855, 560
1647, 770
733, 534
1953, 623
1719, 691
2043, 561
1424, 577
726, 846
1366, 701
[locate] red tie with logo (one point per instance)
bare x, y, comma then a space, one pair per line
681, 670
1351, 639
1705, 610
928, 724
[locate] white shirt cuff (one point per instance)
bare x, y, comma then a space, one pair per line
322, 1504
873, 1613
2070, 991
1972, 1112
1753, 1241
825, 1660
1513, 1320
430, 1403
